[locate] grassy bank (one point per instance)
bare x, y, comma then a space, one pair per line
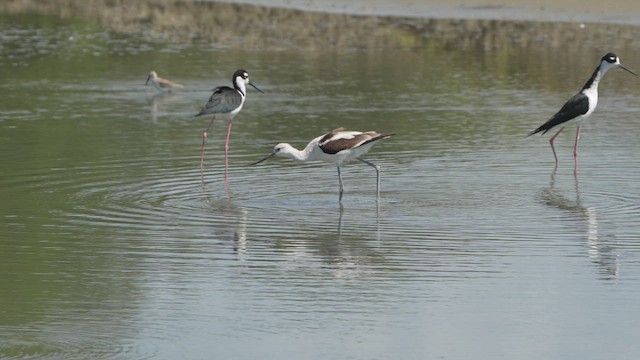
224, 25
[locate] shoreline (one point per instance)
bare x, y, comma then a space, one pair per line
216, 24
588, 11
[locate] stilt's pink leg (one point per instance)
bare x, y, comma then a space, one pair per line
204, 139
553, 138
575, 152
226, 156
575, 146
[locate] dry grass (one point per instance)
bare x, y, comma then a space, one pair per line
218, 23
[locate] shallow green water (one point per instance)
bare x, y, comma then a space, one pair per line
111, 248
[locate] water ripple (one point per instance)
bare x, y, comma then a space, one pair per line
62, 341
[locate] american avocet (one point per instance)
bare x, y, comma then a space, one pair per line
160, 83
580, 106
227, 103
336, 147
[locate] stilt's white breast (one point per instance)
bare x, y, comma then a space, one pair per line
592, 95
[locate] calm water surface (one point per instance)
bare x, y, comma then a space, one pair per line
111, 248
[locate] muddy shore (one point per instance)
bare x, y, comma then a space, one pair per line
619, 11
278, 27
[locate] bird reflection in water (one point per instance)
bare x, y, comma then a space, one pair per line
162, 102
240, 234
235, 219
352, 257
601, 253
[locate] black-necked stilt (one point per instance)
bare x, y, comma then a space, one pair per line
336, 147
160, 83
581, 105
227, 103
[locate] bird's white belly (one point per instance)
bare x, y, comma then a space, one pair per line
592, 94
231, 114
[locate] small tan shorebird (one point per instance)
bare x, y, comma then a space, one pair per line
336, 147
225, 102
580, 106
160, 83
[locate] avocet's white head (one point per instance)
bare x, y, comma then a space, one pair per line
284, 150
610, 61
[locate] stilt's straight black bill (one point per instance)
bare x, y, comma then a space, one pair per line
628, 70
266, 158
255, 87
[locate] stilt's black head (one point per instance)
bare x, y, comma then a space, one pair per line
611, 58
242, 75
